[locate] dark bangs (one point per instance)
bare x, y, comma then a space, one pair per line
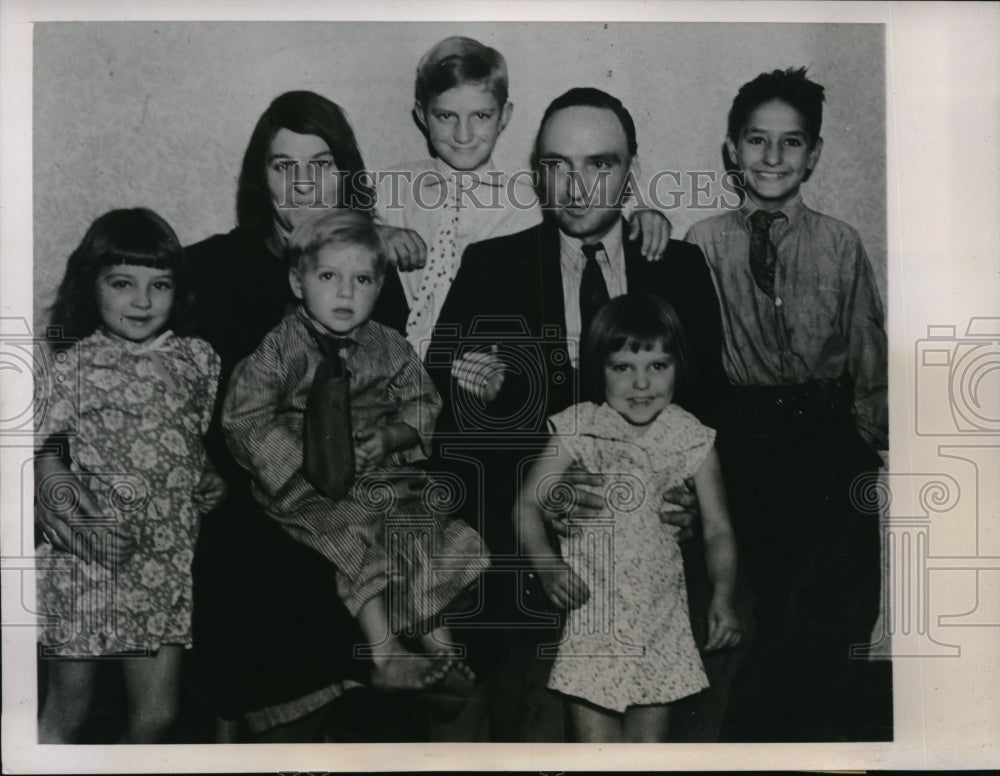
633, 322
133, 237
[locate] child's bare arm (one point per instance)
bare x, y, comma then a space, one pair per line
560, 582
720, 554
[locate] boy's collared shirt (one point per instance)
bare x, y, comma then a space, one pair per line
825, 319
571, 259
419, 195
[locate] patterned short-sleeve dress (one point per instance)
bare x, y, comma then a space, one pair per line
631, 643
134, 416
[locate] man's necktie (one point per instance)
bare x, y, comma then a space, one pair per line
328, 458
763, 255
593, 288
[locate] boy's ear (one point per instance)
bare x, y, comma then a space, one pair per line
817, 149
295, 281
505, 113
731, 150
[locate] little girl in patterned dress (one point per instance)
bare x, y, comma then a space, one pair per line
627, 650
132, 397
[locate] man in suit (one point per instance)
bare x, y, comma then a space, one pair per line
505, 352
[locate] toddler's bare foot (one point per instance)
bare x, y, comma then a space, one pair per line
461, 675
407, 671
449, 695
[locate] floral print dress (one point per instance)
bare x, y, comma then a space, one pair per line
134, 415
630, 643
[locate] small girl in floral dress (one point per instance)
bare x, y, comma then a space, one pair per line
132, 398
627, 650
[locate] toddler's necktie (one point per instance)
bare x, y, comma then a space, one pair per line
328, 458
763, 255
593, 287
439, 272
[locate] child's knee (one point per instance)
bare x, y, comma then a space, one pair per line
62, 718
152, 722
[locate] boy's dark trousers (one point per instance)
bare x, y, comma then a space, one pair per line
810, 553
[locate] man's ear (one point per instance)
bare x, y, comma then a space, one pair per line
631, 180
295, 281
505, 113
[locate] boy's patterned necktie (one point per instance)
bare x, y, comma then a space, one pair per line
763, 255
440, 271
593, 287
328, 455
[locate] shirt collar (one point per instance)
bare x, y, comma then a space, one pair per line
485, 175
359, 336
792, 210
612, 242
138, 348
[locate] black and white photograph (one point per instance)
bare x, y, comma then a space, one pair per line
501, 375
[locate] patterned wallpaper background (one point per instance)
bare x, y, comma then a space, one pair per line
158, 114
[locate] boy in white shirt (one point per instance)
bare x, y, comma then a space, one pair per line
459, 197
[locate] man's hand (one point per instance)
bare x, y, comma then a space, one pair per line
61, 496
481, 374
403, 247
581, 495
584, 499
680, 509
655, 229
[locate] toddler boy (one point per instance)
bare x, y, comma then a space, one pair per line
282, 423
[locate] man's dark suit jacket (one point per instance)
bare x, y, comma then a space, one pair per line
508, 293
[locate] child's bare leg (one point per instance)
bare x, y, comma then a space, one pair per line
67, 700
152, 685
592, 725
396, 668
437, 640
647, 724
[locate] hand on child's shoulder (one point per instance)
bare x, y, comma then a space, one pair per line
405, 249
654, 228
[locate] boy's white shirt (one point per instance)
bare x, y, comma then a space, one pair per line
494, 205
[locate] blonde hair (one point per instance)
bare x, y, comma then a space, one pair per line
456, 61
334, 226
